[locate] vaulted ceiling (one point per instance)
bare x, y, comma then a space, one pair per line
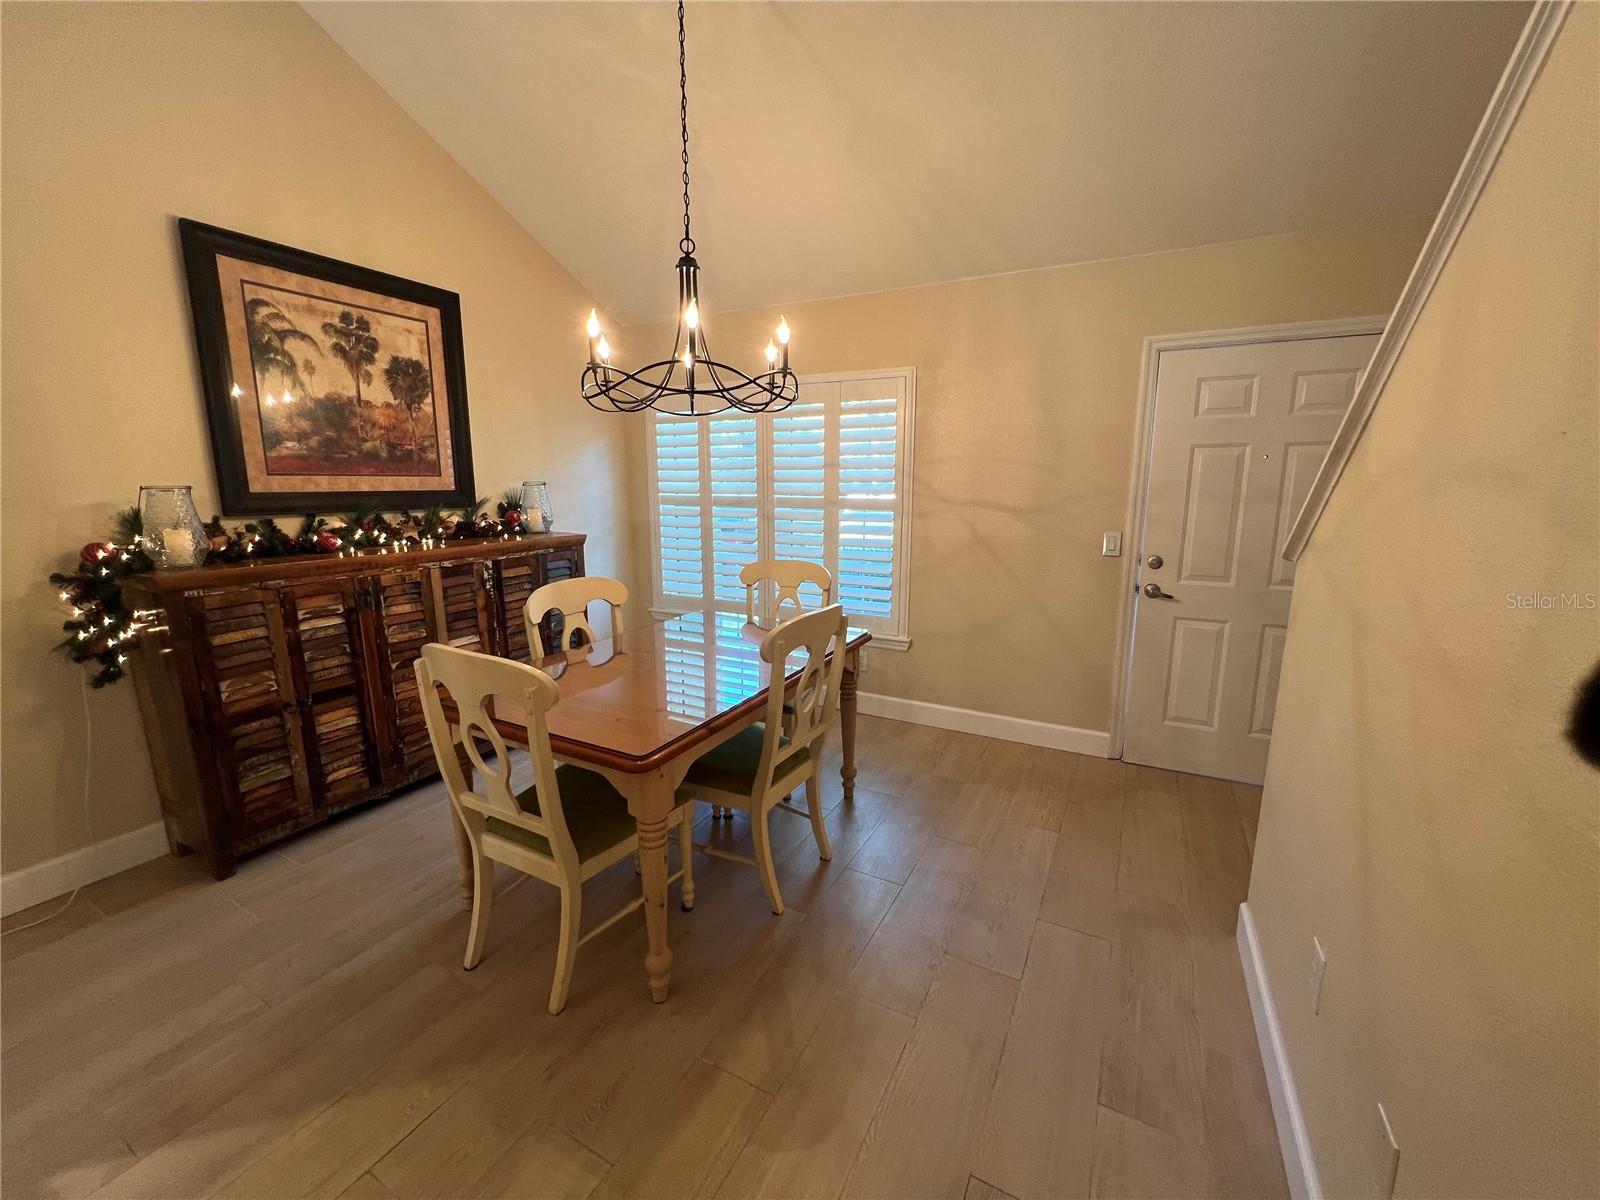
852, 147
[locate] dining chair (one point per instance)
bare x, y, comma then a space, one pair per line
572, 597
787, 574
566, 828
756, 769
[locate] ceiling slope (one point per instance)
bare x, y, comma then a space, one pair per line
853, 147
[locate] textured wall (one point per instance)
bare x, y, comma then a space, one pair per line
1422, 814
119, 118
1027, 389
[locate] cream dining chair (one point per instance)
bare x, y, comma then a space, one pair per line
788, 575
571, 598
756, 769
569, 826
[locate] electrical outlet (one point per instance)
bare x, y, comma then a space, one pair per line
1385, 1157
1314, 976
1111, 543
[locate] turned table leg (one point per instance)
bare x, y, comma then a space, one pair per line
650, 799
463, 846
847, 724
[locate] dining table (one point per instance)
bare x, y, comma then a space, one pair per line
640, 707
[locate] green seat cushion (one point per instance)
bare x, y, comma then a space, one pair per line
732, 766
597, 815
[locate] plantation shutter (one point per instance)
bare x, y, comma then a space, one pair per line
825, 480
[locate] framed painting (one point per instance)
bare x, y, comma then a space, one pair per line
327, 385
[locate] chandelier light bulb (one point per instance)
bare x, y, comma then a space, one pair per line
691, 316
688, 359
783, 331
603, 349
771, 352
594, 324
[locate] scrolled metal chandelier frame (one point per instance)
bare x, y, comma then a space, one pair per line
690, 382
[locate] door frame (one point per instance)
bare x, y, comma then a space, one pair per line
1143, 443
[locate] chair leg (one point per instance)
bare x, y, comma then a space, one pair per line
482, 901
814, 807
763, 838
686, 857
567, 949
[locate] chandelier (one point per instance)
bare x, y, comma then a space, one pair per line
689, 382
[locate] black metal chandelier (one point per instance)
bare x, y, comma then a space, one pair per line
690, 382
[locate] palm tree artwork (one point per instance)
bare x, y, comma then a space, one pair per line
411, 385
272, 335
351, 341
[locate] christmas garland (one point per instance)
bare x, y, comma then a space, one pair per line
102, 628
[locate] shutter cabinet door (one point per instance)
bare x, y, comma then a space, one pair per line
323, 620
516, 579
460, 594
403, 618
252, 712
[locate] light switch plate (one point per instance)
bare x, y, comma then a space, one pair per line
1111, 543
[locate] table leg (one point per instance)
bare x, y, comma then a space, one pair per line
847, 724
650, 799
463, 846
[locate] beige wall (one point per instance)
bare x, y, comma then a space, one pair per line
1026, 398
119, 119
1422, 815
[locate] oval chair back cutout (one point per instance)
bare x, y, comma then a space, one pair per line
816, 694
479, 684
787, 575
571, 598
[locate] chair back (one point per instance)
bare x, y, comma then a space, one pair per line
816, 695
572, 597
476, 682
787, 575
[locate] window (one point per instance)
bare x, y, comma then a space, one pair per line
825, 480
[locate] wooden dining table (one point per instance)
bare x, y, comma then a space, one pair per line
639, 708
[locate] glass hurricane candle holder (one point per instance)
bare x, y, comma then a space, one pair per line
536, 513
174, 535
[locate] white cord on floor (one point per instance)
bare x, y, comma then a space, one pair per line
88, 825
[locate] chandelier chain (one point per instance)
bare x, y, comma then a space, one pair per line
687, 244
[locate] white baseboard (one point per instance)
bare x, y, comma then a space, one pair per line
57, 876
1293, 1140
1009, 729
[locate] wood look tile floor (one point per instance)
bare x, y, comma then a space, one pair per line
1016, 978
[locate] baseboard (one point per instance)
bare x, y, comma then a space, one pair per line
1293, 1140
967, 720
54, 877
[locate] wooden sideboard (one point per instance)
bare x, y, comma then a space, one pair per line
276, 694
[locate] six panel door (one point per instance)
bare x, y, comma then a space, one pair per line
1239, 433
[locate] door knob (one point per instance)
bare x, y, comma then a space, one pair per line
1155, 562
1153, 590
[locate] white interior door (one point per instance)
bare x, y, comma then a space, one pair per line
1239, 432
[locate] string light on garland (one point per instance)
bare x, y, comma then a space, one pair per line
101, 629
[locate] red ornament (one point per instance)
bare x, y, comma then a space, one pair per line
96, 552
513, 517
328, 541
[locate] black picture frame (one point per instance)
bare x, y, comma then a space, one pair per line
201, 245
